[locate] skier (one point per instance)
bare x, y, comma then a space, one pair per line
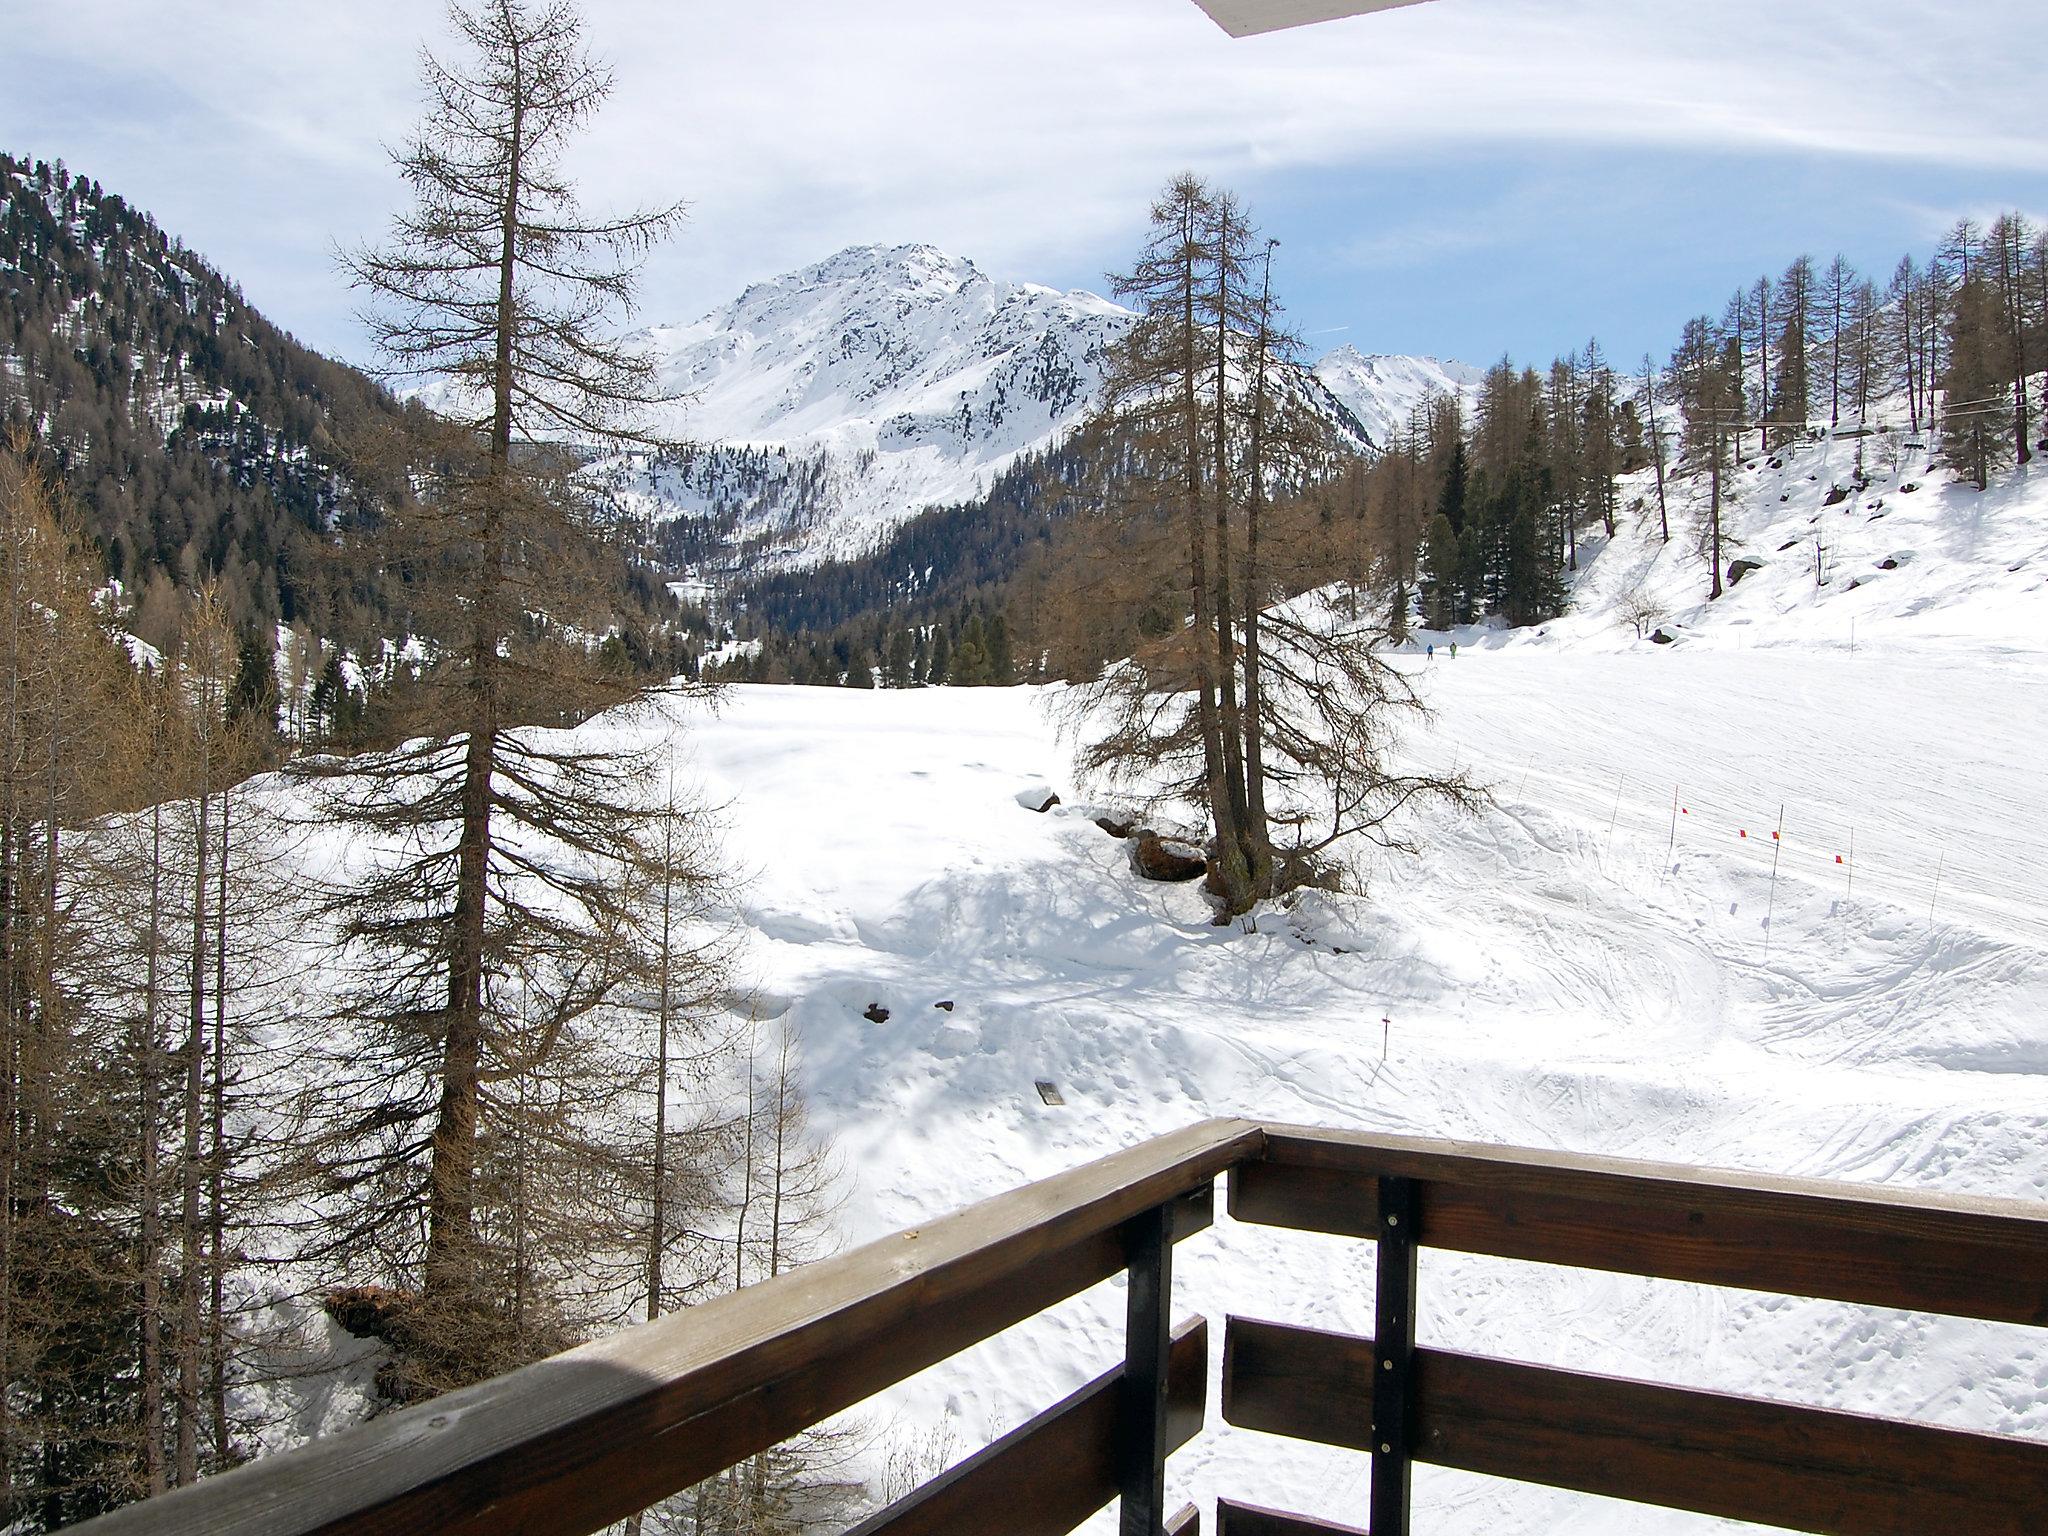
1429, 651
1454, 650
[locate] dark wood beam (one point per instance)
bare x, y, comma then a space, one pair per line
1741, 1458
1881, 1246
1054, 1472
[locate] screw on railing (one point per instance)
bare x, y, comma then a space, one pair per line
1148, 1247
1394, 1359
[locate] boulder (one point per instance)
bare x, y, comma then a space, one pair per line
1663, 637
875, 1013
1737, 569
1154, 858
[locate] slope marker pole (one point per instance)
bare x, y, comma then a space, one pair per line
1611, 820
1668, 852
1851, 891
1777, 850
1939, 864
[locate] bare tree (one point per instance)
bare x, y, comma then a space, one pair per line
496, 281
1278, 731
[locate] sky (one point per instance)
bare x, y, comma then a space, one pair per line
1464, 178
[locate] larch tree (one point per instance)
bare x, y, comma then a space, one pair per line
1793, 314
1278, 731
490, 933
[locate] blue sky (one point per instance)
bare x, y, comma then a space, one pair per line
1532, 252
1463, 177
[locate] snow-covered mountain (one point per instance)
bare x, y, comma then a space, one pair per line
832, 402
1381, 389
827, 405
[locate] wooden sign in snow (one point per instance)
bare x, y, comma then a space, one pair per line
1049, 1093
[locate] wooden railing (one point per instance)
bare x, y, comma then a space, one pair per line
574, 1443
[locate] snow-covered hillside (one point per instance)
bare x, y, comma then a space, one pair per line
1600, 961
1564, 970
1382, 390
831, 403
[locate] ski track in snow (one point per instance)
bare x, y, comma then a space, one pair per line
1563, 970
1548, 984
1560, 970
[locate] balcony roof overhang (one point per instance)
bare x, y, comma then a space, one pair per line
1245, 18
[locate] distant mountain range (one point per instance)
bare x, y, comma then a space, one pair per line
831, 404
823, 409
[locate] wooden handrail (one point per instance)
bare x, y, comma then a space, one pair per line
1921, 1250
570, 1444
573, 1443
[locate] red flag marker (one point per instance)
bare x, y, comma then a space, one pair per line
1838, 858
1743, 833
1775, 836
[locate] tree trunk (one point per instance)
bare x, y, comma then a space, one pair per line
1258, 839
1231, 717
1656, 447
451, 1195
190, 1324
216, 1321
452, 1173
151, 1256
1228, 870
1714, 512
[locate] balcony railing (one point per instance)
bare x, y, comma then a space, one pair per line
575, 1443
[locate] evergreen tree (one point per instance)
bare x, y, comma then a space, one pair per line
1452, 496
252, 706
1790, 401
1002, 670
1973, 387
1442, 567
969, 667
900, 667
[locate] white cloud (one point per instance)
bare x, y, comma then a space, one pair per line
1027, 133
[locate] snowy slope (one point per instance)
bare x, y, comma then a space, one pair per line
1575, 967
831, 403
1873, 569
1546, 985
1382, 390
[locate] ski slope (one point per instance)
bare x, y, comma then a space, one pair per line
1601, 961
1547, 984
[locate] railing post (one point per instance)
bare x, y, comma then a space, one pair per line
1148, 1246
1393, 1342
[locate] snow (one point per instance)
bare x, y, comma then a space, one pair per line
1565, 969
827, 405
1381, 390
1559, 972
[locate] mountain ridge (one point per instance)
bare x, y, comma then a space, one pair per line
824, 407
